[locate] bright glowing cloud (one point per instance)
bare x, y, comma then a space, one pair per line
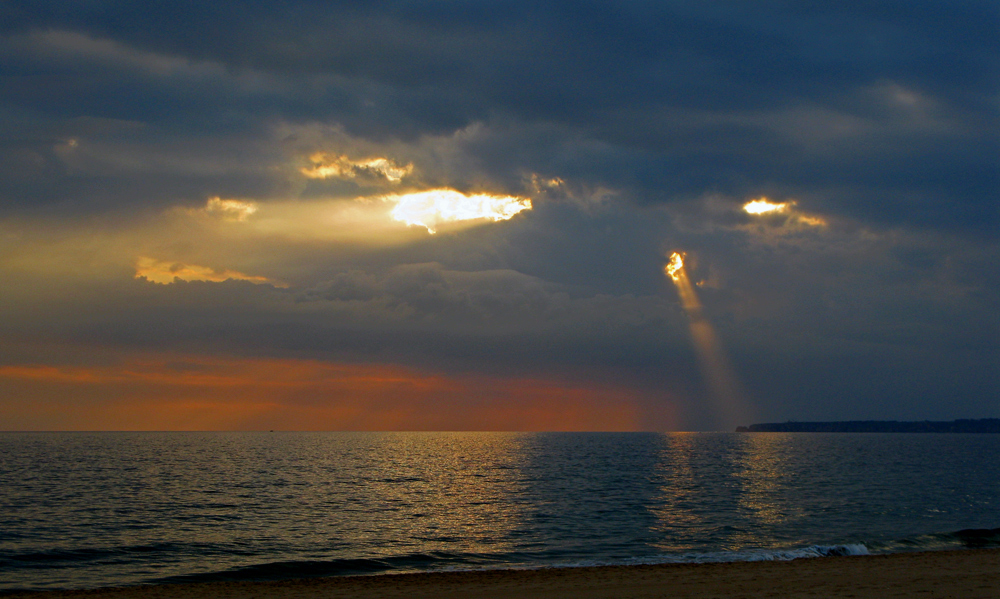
763, 206
329, 165
433, 207
237, 210
674, 266
164, 273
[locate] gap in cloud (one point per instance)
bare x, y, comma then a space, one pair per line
765, 207
434, 207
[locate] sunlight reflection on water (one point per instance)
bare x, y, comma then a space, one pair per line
92, 509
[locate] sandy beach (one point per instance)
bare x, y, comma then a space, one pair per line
952, 574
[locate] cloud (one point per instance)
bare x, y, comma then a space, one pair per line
165, 273
64, 46
325, 165
815, 298
785, 212
237, 210
434, 207
763, 206
273, 143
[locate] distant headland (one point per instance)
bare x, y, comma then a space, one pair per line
984, 425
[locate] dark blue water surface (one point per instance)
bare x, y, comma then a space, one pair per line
96, 509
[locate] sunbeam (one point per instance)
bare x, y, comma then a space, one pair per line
728, 398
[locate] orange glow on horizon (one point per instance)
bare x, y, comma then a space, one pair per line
180, 392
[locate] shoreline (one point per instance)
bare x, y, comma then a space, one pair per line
967, 573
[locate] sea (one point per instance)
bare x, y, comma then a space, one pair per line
84, 510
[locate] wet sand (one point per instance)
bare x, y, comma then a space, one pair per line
938, 574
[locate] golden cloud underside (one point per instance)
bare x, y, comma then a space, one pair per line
328, 165
165, 273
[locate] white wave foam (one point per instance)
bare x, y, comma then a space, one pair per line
747, 555
813, 551
755, 555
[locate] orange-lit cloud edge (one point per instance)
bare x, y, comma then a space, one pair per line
187, 393
166, 272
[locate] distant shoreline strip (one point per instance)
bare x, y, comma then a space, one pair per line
984, 425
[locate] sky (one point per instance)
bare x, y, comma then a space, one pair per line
458, 215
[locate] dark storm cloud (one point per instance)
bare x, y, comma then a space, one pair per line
636, 128
663, 45
854, 107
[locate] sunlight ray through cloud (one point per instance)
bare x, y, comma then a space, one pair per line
431, 208
720, 379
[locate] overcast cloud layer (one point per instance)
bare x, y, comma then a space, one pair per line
256, 153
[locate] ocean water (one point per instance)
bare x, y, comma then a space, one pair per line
80, 510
